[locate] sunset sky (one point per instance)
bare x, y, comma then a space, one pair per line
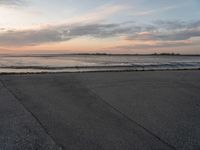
103, 26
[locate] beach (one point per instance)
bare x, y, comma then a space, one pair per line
144, 110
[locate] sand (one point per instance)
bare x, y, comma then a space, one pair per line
100, 111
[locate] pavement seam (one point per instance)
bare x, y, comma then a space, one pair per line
130, 119
37, 120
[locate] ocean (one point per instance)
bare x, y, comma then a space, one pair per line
82, 63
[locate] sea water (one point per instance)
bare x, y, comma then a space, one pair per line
81, 63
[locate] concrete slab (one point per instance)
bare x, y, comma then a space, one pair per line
77, 118
166, 103
18, 128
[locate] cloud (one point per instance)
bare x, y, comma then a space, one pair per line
171, 36
11, 2
163, 34
152, 11
2, 29
180, 35
80, 26
100, 13
60, 33
167, 33
168, 44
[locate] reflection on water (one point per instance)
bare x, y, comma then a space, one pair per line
74, 63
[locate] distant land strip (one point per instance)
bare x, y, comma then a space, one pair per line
94, 54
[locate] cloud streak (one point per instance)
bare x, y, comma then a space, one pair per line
168, 31
60, 33
152, 11
160, 44
159, 31
100, 13
11, 2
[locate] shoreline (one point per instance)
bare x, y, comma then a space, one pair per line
95, 54
98, 71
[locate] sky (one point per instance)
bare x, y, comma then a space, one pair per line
100, 26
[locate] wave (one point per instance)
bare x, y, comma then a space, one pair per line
125, 66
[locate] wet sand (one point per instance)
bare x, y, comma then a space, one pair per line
100, 111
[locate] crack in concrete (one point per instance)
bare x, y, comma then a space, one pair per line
130, 119
38, 121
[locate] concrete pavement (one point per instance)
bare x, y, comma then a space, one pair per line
102, 111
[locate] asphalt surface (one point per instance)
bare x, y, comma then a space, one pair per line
100, 111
